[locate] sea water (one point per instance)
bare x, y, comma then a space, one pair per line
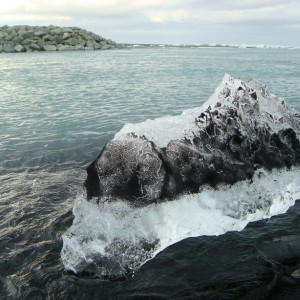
57, 112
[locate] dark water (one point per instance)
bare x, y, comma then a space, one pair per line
256, 263
57, 112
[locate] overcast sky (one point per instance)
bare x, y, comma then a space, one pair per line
269, 22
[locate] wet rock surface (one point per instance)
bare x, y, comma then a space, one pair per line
50, 38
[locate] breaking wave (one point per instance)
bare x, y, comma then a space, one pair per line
110, 237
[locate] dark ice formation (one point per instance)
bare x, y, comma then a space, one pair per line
242, 127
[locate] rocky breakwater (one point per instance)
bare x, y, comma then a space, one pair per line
50, 38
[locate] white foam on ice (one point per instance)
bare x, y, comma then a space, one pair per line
110, 235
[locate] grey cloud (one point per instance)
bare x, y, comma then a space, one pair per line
206, 21
234, 4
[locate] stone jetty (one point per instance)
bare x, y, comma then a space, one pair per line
26, 38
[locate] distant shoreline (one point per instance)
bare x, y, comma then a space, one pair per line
25, 38
132, 45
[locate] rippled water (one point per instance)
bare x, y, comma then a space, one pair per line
57, 112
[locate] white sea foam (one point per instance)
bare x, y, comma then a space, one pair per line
112, 236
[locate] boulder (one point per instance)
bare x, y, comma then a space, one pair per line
47, 38
40, 42
39, 33
62, 47
66, 35
89, 44
27, 48
68, 29
26, 34
7, 37
8, 47
49, 48
26, 41
58, 39
86, 36
72, 41
17, 40
13, 34
97, 46
56, 31
79, 47
104, 46
97, 38
19, 48
89, 48
34, 47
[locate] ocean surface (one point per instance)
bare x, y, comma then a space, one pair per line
58, 110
